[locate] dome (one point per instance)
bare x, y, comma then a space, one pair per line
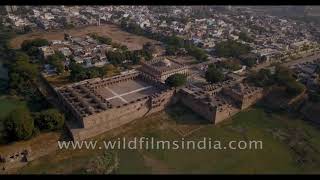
166, 62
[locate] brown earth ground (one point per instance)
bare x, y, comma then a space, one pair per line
133, 42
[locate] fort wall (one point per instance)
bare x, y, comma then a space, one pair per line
117, 116
197, 105
225, 112
251, 99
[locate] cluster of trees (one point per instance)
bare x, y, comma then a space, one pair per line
248, 59
79, 73
245, 37
282, 77
213, 74
230, 64
57, 61
31, 46
21, 124
22, 74
132, 28
176, 80
231, 48
123, 54
173, 43
118, 57
101, 39
108, 40
285, 77
24, 122
150, 49
262, 78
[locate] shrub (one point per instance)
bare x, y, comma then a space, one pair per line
50, 119
19, 124
176, 80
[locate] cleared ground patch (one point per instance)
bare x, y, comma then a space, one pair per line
133, 42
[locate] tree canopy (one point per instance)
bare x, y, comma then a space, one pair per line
57, 60
176, 80
213, 75
79, 73
245, 37
21, 74
19, 124
231, 48
50, 119
31, 46
101, 39
230, 64
282, 77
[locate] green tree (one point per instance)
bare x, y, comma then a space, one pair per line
213, 75
248, 59
38, 42
231, 64
50, 119
231, 48
92, 72
77, 72
19, 124
176, 80
294, 87
262, 78
171, 50
244, 36
31, 46
149, 47
57, 61
101, 39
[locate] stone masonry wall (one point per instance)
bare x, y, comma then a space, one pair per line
112, 118
199, 107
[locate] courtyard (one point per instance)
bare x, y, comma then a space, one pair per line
125, 92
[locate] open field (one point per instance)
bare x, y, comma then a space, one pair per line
283, 137
133, 42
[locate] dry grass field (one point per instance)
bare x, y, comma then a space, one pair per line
133, 42
283, 139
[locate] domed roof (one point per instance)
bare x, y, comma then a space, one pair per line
166, 62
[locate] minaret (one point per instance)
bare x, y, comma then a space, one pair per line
98, 23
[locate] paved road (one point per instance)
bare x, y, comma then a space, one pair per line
306, 59
292, 62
